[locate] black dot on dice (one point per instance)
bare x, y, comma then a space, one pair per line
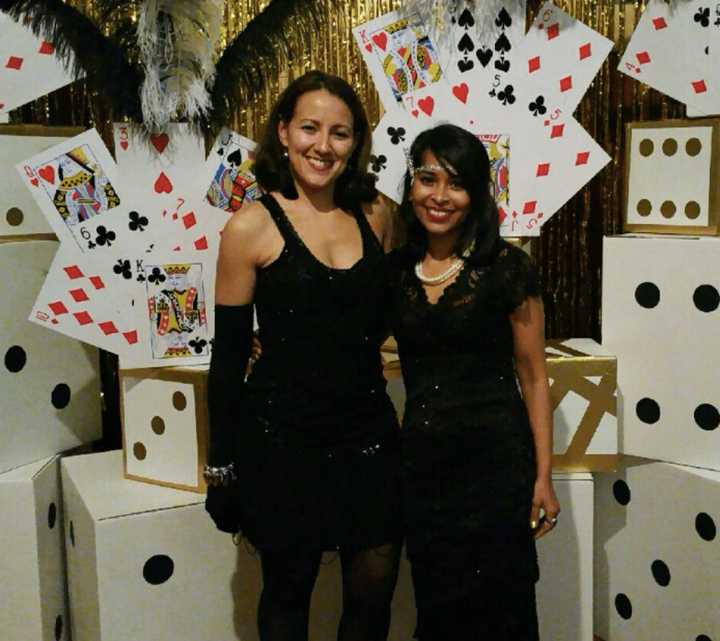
707, 417
179, 401
15, 359
705, 526
621, 492
648, 411
60, 396
706, 298
72, 534
52, 515
660, 572
58, 627
158, 569
623, 606
647, 295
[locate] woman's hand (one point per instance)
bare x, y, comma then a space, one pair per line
544, 499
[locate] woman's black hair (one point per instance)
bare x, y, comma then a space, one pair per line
272, 170
462, 155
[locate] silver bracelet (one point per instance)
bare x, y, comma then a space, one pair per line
222, 475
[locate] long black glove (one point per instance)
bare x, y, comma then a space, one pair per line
231, 351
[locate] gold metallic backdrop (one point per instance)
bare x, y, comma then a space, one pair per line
569, 252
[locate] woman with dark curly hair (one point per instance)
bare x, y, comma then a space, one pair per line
468, 321
303, 455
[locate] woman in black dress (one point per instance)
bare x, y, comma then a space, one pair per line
468, 320
303, 456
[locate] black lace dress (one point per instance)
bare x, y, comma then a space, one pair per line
317, 452
468, 453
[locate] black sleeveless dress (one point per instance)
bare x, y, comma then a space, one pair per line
318, 452
468, 452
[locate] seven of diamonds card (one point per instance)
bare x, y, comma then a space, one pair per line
74, 184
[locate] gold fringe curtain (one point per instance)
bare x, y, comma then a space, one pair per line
569, 252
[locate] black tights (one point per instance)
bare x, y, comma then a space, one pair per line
369, 578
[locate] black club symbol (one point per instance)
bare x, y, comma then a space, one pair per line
156, 277
198, 344
105, 236
396, 135
123, 268
703, 16
506, 95
137, 222
538, 106
378, 163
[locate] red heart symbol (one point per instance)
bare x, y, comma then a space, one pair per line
461, 92
368, 46
380, 39
47, 173
415, 113
427, 105
124, 144
159, 141
163, 184
34, 182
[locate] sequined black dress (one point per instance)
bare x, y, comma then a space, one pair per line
317, 453
468, 454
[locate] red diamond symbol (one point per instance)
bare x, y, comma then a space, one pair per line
501, 214
131, 337
659, 23
529, 207
79, 295
107, 328
58, 308
201, 243
557, 131
83, 318
699, 86
73, 272
553, 31
585, 51
189, 220
13, 62
46, 48
643, 57
543, 169
533, 64
97, 282
582, 158
565, 83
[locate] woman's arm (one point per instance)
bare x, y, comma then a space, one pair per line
528, 325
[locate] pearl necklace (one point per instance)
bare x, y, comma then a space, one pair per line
454, 268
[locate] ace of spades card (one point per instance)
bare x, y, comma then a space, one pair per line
231, 165
28, 66
403, 62
171, 308
74, 184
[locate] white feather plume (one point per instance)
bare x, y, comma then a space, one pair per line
177, 41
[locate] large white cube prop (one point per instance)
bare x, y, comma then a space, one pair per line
33, 599
671, 185
565, 589
661, 316
165, 430
657, 553
144, 562
49, 383
19, 213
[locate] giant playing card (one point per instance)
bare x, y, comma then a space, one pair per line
28, 66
